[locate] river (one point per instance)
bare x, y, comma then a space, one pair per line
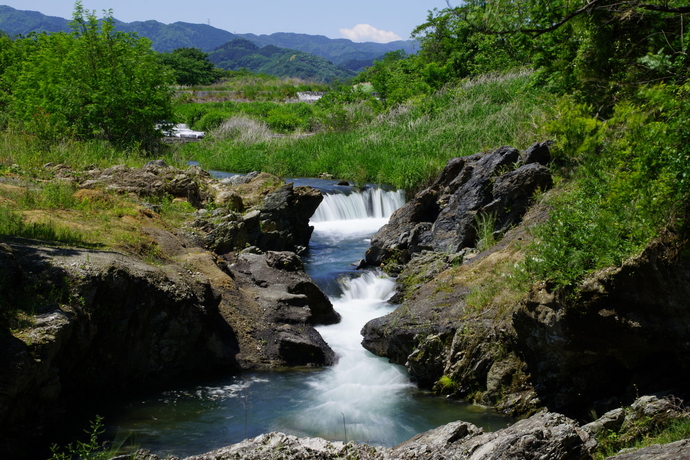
362, 398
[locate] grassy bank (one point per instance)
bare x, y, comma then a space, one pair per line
404, 147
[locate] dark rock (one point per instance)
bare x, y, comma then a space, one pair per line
227, 236
443, 217
537, 153
284, 218
625, 332
299, 349
283, 289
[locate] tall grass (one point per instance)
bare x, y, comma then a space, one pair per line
404, 147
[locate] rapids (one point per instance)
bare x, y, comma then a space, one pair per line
362, 398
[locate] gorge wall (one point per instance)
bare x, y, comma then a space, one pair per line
622, 332
229, 293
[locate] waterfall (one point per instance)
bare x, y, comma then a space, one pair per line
362, 398
359, 397
371, 203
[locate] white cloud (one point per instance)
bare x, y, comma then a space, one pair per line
367, 33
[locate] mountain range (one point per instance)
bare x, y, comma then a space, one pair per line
344, 55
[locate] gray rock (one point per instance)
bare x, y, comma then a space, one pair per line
542, 436
610, 421
679, 450
443, 217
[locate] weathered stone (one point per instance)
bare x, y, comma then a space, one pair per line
284, 218
679, 450
625, 332
299, 349
283, 289
542, 436
231, 200
537, 153
444, 216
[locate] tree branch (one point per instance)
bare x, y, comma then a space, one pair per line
666, 9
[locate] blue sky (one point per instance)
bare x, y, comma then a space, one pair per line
358, 20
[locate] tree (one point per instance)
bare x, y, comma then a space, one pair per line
94, 83
599, 50
191, 66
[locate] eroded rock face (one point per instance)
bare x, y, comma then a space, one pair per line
283, 289
443, 218
277, 216
626, 332
113, 323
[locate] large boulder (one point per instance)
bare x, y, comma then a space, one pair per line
284, 290
284, 219
495, 187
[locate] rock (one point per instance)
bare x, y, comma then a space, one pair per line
537, 153
679, 450
282, 287
624, 333
284, 219
443, 217
545, 435
278, 445
542, 436
298, 349
116, 324
231, 200
227, 236
610, 421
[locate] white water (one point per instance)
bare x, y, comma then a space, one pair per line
371, 203
359, 397
362, 398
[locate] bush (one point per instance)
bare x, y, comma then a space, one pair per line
630, 179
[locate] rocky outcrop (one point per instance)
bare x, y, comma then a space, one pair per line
625, 332
279, 223
542, 436
285, 292
105, 322
446, 343
495, 188
254, 210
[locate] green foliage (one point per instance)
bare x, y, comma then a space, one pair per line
89, 450
94, 83
404, 147
485, 225
599, 53
446, 385
191, 67
631, 180
646, 432
240, 53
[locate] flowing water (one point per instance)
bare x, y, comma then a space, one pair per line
362, 398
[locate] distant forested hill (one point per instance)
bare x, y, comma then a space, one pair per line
166, 37
240, 53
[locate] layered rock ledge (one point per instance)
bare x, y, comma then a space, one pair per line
108, 322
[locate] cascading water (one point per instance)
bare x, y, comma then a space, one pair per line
362, 398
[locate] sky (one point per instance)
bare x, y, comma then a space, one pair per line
358, 20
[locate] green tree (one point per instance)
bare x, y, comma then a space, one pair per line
191, 66
598, 50
95, 83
